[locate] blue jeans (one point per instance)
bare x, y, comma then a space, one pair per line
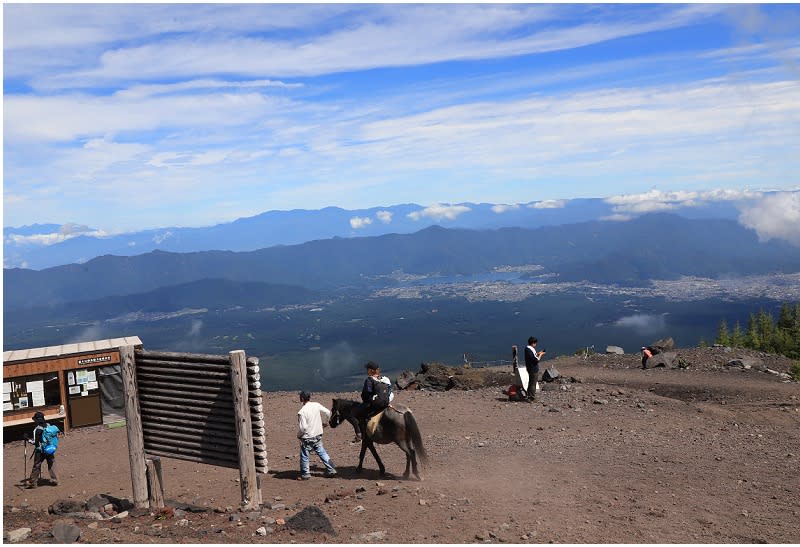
314, 444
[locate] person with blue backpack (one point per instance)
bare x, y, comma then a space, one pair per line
45, 441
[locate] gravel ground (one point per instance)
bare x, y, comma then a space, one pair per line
609, 454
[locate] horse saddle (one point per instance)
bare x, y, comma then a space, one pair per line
372, 424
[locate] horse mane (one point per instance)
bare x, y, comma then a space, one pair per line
345, 404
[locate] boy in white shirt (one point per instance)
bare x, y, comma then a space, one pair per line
311, 418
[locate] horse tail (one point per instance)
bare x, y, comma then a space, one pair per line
416, 437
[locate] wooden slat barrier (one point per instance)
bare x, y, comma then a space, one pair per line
190, 408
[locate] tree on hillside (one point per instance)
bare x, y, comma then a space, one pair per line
765, 334
722, 334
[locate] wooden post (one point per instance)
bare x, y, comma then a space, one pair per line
62, 385
155, 483
133, 420
248, 481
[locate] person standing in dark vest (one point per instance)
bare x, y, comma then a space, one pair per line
532, 358
39, 456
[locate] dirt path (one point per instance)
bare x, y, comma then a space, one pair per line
621, 456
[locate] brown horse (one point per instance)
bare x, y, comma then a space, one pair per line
396, 425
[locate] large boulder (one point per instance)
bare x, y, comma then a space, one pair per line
665, 344
405, 379
439, 377
668, 359
615, 350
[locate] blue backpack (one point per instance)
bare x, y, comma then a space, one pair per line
50, 439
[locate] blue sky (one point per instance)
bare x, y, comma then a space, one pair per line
125, 117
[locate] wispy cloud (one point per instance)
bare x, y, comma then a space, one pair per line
280, 106
500, 209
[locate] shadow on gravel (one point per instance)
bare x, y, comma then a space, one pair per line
343, 472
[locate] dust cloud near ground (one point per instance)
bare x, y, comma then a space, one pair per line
610, 453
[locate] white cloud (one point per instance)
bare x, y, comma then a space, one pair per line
657, 200
500, 208
548, 204
384, 216
439, 212
774, 216
65, 232
642, 323
360, 222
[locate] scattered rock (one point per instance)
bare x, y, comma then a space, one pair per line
65, 532
615, 350
19, 534
63, 507
311, 519
380, 535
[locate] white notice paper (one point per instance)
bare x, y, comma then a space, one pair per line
74, 390
91, 376
91, 385
37, 398
6, 387
7, 406
6, 397
37, 385
71, 378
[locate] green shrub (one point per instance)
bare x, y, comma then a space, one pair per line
794, 372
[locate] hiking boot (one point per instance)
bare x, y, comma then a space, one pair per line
53, 482
303, 477
330, 473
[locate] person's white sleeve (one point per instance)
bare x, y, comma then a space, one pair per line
301, 426
325, 413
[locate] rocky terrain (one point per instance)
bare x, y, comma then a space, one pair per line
702, 450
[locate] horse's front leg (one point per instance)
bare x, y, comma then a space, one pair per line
356, 429
363, 452
377, 458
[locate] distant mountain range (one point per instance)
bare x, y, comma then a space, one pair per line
655, 246
25, 246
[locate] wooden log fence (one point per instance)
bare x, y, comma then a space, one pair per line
196, 407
